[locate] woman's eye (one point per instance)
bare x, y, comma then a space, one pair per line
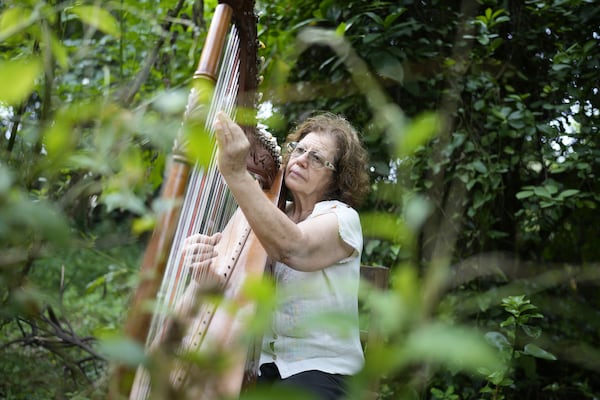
316, 158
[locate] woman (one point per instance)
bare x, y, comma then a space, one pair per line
316, 243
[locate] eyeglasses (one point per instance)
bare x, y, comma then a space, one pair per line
315, 160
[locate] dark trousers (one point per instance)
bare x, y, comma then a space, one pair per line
321, 385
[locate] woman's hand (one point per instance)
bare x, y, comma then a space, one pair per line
233, 146
199, 252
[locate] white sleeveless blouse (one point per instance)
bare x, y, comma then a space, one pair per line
315, 321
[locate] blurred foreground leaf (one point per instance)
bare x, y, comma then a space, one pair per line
17, 79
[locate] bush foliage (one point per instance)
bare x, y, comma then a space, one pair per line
481, 119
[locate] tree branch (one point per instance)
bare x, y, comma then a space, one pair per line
130, 91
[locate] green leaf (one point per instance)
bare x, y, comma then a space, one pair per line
171, 102
560, 67
59, 51
510, 321
123, 201
96, 283
480, 167
542, 191
524, 194
531, 331
568, 193
41, 217
551, 188
488, 14
99, 18
388, 66
143, 224
17, 79
123, 350
417, 210
60, 139
371, 37
389, 19
13, 21
385, 226
498, 340
376, 18
104, 279
458, 347
419, 132
535, 351
509, 150
201, 144
5, 180
479, 104
341, 29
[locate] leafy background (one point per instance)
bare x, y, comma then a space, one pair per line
481, 119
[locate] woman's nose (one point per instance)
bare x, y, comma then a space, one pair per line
303, 158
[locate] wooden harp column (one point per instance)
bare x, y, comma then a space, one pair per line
262, 162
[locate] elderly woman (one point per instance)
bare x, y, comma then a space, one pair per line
316, 243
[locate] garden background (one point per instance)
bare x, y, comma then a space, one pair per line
480, 119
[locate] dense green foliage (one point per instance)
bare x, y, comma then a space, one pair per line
481, 119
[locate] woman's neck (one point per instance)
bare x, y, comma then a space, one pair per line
299, 210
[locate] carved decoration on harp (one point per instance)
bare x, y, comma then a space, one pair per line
201, 204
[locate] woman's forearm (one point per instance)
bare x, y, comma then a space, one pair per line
276, 232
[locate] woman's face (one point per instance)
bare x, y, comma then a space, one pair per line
306, 178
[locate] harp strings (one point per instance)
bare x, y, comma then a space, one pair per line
207, 207
208, 204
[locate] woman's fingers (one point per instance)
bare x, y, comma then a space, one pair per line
200, 238
198, 253
199, 249
199, 258
224, 128
200, 263
233, 145
225, 124
214, 239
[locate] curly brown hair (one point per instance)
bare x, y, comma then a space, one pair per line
351, 180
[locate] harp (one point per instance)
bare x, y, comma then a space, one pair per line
198, 202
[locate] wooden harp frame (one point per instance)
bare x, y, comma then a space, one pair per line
261, 162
